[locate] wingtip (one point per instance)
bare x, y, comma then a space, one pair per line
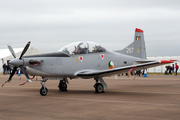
166, 61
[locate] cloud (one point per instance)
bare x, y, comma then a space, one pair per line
52, 24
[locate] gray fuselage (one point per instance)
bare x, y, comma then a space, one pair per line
70, 65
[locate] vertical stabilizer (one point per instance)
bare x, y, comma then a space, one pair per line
137, 48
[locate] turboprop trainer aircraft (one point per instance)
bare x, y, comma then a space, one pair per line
84, 60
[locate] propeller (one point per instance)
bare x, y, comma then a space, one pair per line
18, 62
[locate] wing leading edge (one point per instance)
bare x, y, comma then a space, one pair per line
120, 70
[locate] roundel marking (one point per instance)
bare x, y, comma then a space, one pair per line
111, 65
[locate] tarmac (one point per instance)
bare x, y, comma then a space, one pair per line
156, 97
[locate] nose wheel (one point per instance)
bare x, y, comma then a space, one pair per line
43, 91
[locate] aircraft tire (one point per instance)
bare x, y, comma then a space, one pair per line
43, 92
63, 86
99, 88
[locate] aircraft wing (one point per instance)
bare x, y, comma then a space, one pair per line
120, 70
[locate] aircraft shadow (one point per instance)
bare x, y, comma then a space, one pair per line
106, 93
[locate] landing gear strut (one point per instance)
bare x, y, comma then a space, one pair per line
62, 85
43, 90
99, 87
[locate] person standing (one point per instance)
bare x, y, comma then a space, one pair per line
172, 68
7, 68
11, 68
4, 69
176, 67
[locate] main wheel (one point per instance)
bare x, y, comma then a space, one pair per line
63, 86
99, 88
43, 91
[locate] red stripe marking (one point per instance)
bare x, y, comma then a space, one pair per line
167, 61
138, 30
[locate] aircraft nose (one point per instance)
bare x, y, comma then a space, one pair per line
16, 62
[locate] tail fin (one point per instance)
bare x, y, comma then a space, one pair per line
137, 48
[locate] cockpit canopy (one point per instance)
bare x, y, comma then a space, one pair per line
82, 48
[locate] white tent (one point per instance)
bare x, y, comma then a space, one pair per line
6, 55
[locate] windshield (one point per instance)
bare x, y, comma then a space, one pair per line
95, 48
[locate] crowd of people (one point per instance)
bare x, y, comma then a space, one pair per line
171, 69
7, 69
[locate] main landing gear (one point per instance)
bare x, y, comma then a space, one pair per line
43, 90
62, 85
99, 87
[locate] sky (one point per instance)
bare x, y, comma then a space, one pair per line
52, 24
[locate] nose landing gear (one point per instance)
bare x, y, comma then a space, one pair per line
43, 91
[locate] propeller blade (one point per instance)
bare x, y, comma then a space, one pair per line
25, 49
12, 74
25, 73
11, 50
